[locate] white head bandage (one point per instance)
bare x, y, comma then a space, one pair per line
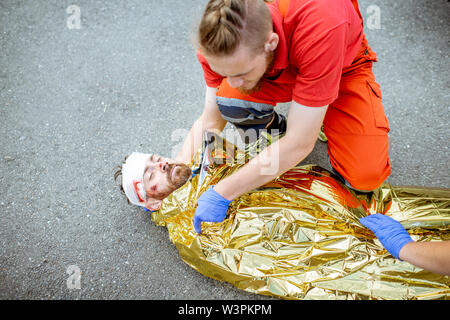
132, 178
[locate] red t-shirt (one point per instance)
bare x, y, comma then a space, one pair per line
318, 39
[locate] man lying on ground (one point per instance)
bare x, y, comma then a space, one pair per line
148, 178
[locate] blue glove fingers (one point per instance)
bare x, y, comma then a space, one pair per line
198, 221
211, 207
197, 224
370, 221
390, 232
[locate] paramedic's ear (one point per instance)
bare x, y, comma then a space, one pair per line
272, 42
153, 204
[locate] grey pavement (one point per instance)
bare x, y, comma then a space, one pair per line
74, 102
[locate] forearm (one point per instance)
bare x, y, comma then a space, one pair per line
210, 119
195, 137
431, 256
270, 163
191, 142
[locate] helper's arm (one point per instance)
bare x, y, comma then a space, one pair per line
303, 127
432, 256
209, 119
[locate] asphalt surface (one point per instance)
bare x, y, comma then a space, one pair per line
74, 102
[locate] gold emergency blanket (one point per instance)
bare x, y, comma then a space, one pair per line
299, 236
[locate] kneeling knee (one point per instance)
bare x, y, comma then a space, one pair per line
368, 179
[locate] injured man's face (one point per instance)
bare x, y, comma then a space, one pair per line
162, 176
149, 178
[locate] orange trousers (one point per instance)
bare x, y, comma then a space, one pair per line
355, 123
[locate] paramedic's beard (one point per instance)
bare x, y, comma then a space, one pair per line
178, 174
254, 89
269, 64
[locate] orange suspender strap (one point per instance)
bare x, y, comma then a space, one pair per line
283, 6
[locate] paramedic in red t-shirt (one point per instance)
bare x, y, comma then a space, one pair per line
311, 53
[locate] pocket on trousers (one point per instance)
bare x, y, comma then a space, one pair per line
377, 106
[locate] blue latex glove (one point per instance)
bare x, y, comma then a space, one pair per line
211, 207
390, 232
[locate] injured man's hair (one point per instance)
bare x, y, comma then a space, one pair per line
148, 178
